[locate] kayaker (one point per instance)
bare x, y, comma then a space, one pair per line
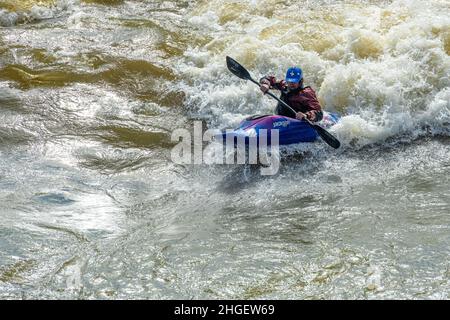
301, 99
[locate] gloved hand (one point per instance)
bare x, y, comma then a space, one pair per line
311, 115
265, 85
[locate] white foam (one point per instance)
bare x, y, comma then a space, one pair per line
356, 131
8, 19
437, 113
36, 13
41, 13
76, 20
384, 68
207, 20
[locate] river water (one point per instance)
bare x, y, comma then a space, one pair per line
92, 207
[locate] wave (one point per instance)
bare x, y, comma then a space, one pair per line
383, 65
29, 11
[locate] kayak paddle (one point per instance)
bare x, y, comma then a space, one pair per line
242, 73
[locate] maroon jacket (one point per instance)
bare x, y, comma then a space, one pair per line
302, 99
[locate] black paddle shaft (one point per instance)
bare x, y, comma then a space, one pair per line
242, 73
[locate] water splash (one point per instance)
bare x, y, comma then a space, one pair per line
383, 66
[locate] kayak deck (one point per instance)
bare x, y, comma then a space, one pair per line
290, 130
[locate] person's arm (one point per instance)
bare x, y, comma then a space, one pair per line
314, 115
270, 82
315, 110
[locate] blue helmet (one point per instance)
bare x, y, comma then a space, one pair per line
294, 74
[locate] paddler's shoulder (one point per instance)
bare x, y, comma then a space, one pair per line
307, 90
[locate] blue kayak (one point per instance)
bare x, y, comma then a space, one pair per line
290, 130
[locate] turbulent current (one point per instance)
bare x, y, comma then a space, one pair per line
93, 207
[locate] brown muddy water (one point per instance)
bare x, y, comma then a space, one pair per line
92, 206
